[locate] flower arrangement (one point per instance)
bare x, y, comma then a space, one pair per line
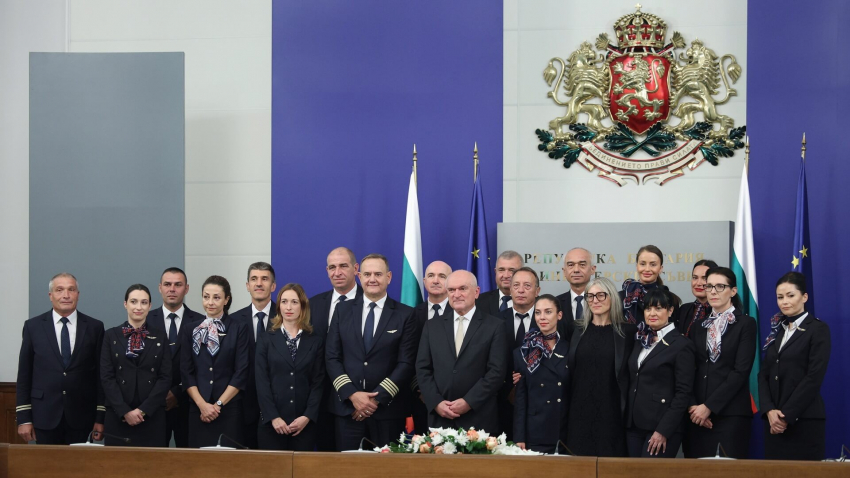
448, 441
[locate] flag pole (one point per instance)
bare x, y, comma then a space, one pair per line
415, 181
803, 149
475, 160
747, 156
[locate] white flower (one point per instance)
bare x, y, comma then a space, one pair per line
449, 448
437, 440
402, 438
513, 450
462, 439
449, 432
503, 439
483, 436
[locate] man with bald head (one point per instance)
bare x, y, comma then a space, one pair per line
461, 363
436, 276
579, 268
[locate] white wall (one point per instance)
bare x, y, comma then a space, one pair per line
537, 30
25, 26
228, 118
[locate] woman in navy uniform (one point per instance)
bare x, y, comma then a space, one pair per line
725, 341
649, 265
290, 372
542, 395
662, 379
694, 313
214, 366
792, 371
135, 369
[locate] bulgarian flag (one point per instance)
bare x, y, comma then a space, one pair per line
412, 293
744, 266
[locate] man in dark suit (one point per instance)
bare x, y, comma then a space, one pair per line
258, 316
519, 319
461, 364
370, 352
173, 287
59, 394
342, 270
579, 268
436, 275
496, 301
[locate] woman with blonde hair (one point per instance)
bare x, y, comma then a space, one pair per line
290, 371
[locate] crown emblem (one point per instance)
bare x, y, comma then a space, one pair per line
640, 29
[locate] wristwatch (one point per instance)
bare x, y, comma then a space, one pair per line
218, 402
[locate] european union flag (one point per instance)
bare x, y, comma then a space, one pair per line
802, 255
478, 253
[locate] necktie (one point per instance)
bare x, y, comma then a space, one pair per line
172, 332
520, 331
369, 328
436, 309
459, 334
260, 327
65, 342
579, 307
504, 305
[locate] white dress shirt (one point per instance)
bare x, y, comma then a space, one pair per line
350, 295
661, 333
442, 304
72, 328
465, 322
378, 309
789, 333
573, 304
526, 321
254, 317
167, 322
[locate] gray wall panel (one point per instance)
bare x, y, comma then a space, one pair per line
106, 174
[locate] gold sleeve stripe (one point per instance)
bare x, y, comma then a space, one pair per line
414, 385
340, 381
21, 408
390, 386
101, 408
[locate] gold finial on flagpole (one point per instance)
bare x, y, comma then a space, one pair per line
415, 181
803, 149
747, 154
475, 159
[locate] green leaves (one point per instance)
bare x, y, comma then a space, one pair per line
657, 139
583, 133
698, 131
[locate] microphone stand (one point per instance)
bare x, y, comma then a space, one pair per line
239, 445
560, 443
368, 440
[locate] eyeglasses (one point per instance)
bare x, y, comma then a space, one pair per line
717, 287
599, 296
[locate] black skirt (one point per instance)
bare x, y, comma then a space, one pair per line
269, 439
150, 433
228, 423
733, 433
804, 440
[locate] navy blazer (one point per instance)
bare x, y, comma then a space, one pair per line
156, 320
660, 390
723, 386
542, 399
147, 377
476, 374
289, 389
387, 367
320, 309
46, 390
623, 346
250, 403
790, 380
212, 374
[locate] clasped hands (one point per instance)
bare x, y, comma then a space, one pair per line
364, 405
452, 409
777, 422
209, 412
700, 415
293, 428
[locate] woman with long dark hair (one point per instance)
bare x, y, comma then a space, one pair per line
649, 264
795, 360
214, 367
725, 342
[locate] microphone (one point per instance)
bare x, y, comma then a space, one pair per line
569, 452
368, 440
239, 445
719, 449
90, 442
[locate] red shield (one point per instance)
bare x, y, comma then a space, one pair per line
640, 90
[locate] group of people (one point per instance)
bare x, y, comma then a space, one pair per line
599, 370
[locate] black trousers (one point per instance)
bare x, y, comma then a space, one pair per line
228, 423
149, 433
350, 432
249, 433
420, 415
637, 441
269, 439
62, 434
733, 434
177, 423
803, 440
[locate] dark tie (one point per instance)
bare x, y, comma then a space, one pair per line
520, 331
504, 306
172, 332
342, 298
65, 342
369, 328
436, 308
579, 308
260, 328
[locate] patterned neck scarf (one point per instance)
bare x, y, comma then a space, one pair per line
700, 311
776, 322
207, 333
136, 343
534, 348
645, 335
635, 292
716, 325
292, 343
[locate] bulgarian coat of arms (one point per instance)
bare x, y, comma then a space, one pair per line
618, 103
